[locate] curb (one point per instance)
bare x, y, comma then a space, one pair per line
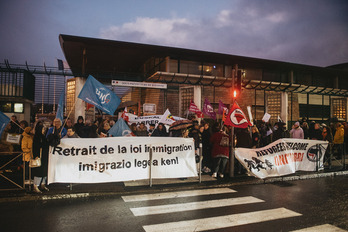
66, 196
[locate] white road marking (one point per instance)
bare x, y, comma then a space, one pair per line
223, 221
166, 195
171, 208
324, 228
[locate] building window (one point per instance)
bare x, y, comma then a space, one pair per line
11, 107
6, 107
18, 108
258, 112
70, 95
339, 108
273, 105
186, 97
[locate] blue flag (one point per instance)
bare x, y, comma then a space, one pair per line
99, 95
4, 120
60, 108
120, 129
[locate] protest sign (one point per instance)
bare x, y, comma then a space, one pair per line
115, 159
152, 119
283, 157
266, 117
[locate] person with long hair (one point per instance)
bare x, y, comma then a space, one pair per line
40, 149
160, 131
55, 133
255, 137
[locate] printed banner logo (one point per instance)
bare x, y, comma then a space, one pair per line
237, 117
315, 152
103, 95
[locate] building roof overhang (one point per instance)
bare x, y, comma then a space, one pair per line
180, 78
125, 60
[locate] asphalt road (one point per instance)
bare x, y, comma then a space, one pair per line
315, 205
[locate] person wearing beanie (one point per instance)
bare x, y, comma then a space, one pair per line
296, 131
80, 127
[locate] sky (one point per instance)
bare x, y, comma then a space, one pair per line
312, 32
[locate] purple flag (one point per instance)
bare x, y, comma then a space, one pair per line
208, 109
221, 107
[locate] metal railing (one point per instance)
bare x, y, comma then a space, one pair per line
5, 168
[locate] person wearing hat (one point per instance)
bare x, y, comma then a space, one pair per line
296, 131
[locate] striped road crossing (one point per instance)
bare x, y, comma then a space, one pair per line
142, 211
211, 223
169, 195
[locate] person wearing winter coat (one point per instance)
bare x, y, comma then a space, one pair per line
296, 131
327, 136
194, 133
220, 152
207, 162
27, 148
103, 131
160, 131
255, 137
305, 129
317, 132
281, 132
142, 130
339, 140
80, 127
339, 135
40, 149
55, 133
27, 144
71, 133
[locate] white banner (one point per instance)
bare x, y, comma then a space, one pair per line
152, 119
115, 159
283, 157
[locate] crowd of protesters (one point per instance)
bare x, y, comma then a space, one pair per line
215, 139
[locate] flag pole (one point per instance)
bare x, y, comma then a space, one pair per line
68, 115
231, 172
18, 125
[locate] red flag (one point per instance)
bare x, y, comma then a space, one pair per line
125, 115
237, 118
89, 106
193, 108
